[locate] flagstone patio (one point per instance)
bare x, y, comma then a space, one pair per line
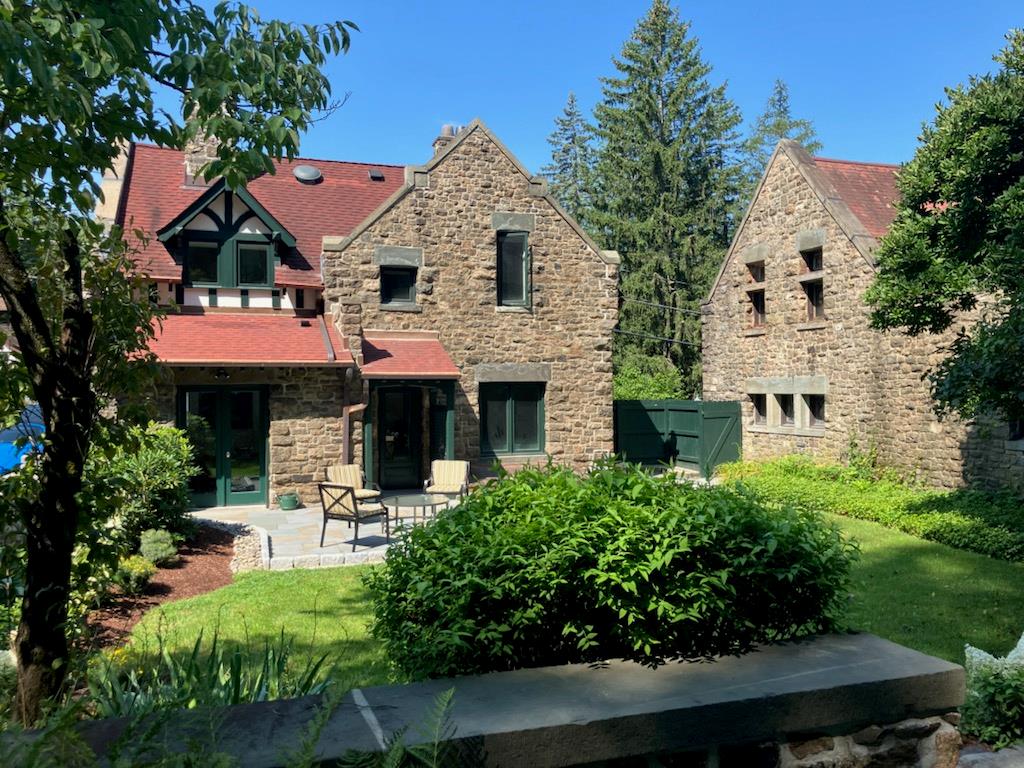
292, 539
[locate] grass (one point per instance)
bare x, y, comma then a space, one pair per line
323, 611
918, 593
932, 597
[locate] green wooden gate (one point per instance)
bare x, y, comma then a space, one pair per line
694, 434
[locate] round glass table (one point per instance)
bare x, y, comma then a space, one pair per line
414, 501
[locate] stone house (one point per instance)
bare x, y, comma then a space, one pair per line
786, 332
356, 312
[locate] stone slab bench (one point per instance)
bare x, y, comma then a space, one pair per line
577, 714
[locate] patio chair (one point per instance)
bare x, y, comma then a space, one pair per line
339, 502
352, 476
448, 477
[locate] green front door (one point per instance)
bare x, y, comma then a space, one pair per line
228, 430
400, 418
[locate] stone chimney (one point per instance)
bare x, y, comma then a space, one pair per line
199, 151
447, 137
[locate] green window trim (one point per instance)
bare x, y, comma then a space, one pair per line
228, 269
512, 419
514, 288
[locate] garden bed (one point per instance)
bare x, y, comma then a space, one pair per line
204, 565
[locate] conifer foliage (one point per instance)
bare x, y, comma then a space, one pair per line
572, 159
666, 181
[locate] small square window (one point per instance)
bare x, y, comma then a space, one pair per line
815, 291
397, 285
757, 308
760, 405
202, 263
785, 410
756, 271
815, 410
812, 260
253, 265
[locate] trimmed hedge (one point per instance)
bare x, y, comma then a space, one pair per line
546, 567
989, 523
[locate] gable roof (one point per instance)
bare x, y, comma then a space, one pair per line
154, 194
200, 204
608, 257
859, 196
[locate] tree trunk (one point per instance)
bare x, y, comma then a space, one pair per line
41, 646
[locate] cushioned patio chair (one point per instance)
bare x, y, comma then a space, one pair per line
450, 478
352, 476
339, 502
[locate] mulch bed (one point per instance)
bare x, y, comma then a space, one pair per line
204, 565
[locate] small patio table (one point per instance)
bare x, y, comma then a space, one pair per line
422, 501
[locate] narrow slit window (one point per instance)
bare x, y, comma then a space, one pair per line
757, 309
513, 269
785, 410
815, 410
812, 260
300, 298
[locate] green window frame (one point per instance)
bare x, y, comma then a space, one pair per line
397, 285
254, 260
233, 262
513, 279
511, 418
202, 262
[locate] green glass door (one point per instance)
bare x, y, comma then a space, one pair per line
401, 437
228, 431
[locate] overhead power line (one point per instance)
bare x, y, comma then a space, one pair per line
656, 338
661, 306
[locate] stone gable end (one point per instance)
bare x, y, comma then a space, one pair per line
451, 217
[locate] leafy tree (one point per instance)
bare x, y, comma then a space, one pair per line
80, 79
572, 159
666, 180
774, 124
646, 378
957, 242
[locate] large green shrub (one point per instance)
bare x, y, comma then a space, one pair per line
989, 523
642, 377
994, 707
547, 567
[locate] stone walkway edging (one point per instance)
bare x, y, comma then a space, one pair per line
327, 560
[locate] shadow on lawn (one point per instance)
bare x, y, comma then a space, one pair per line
931, 597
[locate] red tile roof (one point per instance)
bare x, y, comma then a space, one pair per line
408, 355
154, 193
869, 189
247, 339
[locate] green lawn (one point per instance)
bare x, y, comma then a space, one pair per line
918, 593
321, 611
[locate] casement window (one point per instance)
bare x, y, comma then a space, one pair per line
756, 271
512, 418
1016, 430
202, 263
814, 290
786, 413
254, 266
513, 269
397, 285
815, 411
812, 260
757, 308
759, 402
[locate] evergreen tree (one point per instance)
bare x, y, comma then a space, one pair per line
775, 124
572, 157
666, 181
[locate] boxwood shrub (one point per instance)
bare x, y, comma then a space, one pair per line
548, 567
989, 523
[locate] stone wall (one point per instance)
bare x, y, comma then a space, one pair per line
873, 381
305, 410
574, 308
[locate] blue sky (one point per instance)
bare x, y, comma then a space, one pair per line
867, 73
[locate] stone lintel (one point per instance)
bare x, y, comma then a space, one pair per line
512, 372
397, 256
421, 179
809, 239
788, 385
504, 221
755, 253
580, 713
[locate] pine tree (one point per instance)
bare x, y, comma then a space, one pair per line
666, 181
572, 158
775, 124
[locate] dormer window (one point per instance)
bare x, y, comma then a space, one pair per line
254, 265
202, 262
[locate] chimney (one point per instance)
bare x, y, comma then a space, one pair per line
447, 137
199, 150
